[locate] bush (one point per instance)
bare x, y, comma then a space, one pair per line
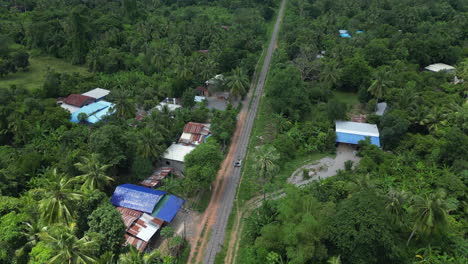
305, 174
348, 165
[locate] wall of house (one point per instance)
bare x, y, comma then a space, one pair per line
177, 165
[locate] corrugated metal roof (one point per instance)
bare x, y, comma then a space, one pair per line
136, 197
97, 93
177, 152
145, 227
129, 216
363, 129
437, 67
78, 100
193, 128
155, 179
71, 108
95, 112
136, 242
168, 207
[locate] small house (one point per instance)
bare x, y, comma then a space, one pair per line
175, 156
353, 132
194, 133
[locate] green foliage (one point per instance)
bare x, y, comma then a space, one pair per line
11, 236
201, 166
40, 254
107, 222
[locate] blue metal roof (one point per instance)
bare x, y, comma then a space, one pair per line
169, 209
136, 197
354, 138
95, 112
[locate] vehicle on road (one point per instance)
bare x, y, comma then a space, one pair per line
238, 163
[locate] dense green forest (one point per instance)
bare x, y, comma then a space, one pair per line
56, 176
404, 202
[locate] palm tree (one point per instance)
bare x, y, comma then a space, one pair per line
94, 177
381, 83
31, 232
334, 260
429, 213
149, 143
133, 257
66, 247
58, 198
395, 205
123, 106
265, 163
238, 83
329, 73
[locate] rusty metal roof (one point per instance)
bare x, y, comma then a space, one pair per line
145, 227
129, 216
136, 242
78, 100
155, 179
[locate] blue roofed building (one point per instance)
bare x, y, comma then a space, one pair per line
95, 112
136, 197
353, 132
344, 33
168, 207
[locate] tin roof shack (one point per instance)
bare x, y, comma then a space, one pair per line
353, 132
95, 112
194, 133
136, 197
155, 180
440, 67
97, 93
175, 155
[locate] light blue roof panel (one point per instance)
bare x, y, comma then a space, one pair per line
95, 112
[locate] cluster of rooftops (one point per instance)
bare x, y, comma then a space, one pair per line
144, 212
91, 104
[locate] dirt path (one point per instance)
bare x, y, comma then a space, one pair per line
323, 168
210, 232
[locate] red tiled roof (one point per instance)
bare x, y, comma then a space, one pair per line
78, 100
193, 128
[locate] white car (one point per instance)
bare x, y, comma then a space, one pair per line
238, 163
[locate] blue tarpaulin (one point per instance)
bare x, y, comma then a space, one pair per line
136, 197
168, 207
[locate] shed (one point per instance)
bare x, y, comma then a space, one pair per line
145, 227
168, 207
438, 67
175, 155
353, 132
136, 197
381, 108
95, 112
97, 93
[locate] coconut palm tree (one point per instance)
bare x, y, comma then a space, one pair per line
238, 82
58, 198
31, 232
133, 257
123, 106
429, 213
265, 163
395, 201
329, 73
334, 260
67, 247
381, 83
94, 177
149, 143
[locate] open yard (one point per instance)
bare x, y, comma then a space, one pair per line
33, 78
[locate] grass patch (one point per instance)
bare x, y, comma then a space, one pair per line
202, 203
347, 98
34, 77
